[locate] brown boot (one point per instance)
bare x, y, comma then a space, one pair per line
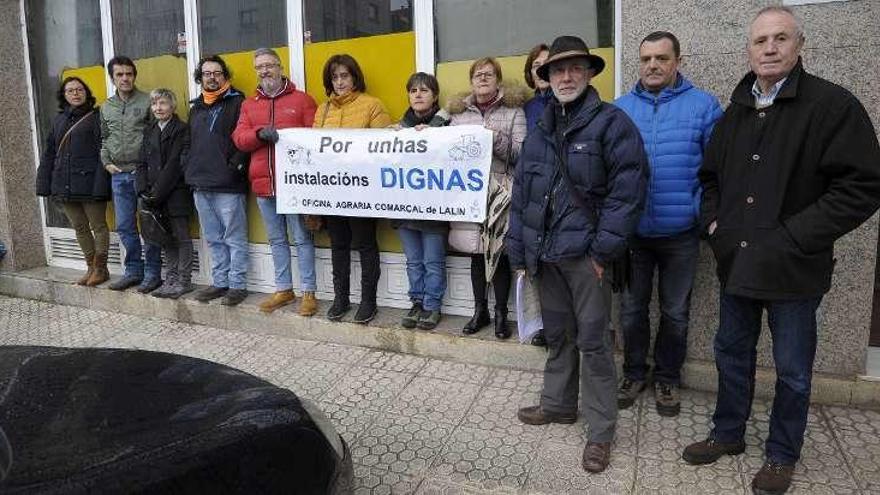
90, 263
278, 299
596, 457
772, 479
308, 305
100, 273
536, 415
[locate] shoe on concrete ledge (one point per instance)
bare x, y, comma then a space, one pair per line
209, 293
125, 282
234, 297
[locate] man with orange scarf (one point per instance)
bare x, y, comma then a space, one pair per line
217, 172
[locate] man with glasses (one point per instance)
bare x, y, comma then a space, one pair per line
577, 196
123, 119
277, 105
217, 172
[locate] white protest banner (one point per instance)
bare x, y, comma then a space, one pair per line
438, 173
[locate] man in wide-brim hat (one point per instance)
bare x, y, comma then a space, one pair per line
570, 218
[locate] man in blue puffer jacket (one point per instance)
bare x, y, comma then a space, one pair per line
577, 196
675, 120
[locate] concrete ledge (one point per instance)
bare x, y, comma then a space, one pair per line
57, 285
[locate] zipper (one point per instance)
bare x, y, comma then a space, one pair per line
270, 150
649, 202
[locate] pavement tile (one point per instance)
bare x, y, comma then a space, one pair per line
437, 400
692, 402
280, 347
495, 409
337, 353
348, 421
556, 469
858, 420
400, 444
761, 411
367, 388
456, 372
50, 332
484, 459
371, 481
212, 336
861, 449
433, 486
678, 477
821, 463
392, 361
311, 378
268, 366
531, 381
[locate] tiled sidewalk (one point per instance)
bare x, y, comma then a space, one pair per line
419, 425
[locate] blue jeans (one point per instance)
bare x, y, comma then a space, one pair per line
425, 266
125, 208
675, 258
793, 328
223, 217
277, 228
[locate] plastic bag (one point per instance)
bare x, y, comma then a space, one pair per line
528, 308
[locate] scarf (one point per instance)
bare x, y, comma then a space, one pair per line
211, 96
410, 119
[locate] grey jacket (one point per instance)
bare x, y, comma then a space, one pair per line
122, 129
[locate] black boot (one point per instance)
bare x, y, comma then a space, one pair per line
479, 320
502, 329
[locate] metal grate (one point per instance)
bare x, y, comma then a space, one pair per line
66, 248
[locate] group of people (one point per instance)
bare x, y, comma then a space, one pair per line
600, 196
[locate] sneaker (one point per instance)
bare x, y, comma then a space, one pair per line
149, 285
338, 309
234, 297
772, 479
162, 292
429, 319
667, 399
411, 319
125, 282
628, 392
277, 300
366, 312
709, 451
179, 289
539, 340
536, 415
210, 293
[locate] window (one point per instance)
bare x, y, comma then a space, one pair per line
467, 30
329, 20
64, 39
239, 25
146, 29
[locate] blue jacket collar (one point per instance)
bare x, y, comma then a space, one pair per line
681, 85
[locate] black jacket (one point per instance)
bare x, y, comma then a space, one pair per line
609, 170
160, 174
785, 182
74, 172
215, 164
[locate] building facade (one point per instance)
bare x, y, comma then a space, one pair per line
45, 41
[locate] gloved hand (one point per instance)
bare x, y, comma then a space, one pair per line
268, 134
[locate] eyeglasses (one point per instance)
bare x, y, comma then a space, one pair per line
266, 66
208, 73
341, 76
573, 69
484, 75
73, 91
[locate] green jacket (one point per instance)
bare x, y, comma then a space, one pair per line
122, 129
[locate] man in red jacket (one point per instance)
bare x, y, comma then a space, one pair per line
277, 105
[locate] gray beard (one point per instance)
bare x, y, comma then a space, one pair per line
569, 98
270, 86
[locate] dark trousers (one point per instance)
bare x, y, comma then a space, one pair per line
501, 280
576, 308
793, 328
347, 233
675, 258
179, 254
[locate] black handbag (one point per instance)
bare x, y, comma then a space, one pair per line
155, 228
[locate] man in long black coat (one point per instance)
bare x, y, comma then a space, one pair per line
793, 165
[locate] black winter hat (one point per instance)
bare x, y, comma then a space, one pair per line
565, 47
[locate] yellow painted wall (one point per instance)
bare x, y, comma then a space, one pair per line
453, 76
93, 77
